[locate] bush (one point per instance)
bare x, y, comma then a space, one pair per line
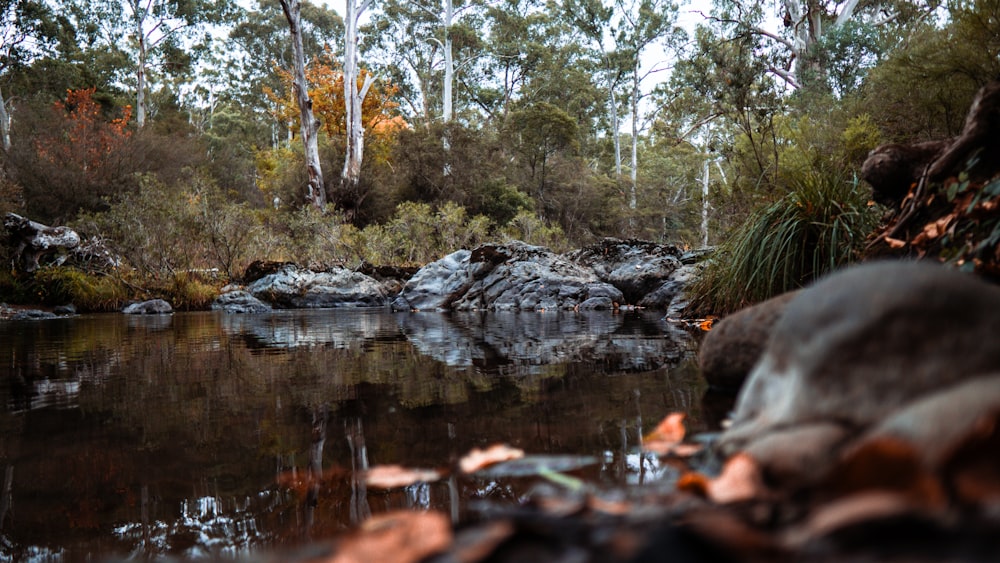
88, 292
818, 227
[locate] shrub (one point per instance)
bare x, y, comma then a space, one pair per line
528, 227
61, 285
817, 227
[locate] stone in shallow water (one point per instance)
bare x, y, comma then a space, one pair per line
151, 307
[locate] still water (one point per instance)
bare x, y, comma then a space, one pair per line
191, 435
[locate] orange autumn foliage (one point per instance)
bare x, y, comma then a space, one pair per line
326, 90
85, 139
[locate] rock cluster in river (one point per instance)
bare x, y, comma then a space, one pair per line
491, 277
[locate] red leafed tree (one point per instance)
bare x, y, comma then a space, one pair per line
86, 138
81, 157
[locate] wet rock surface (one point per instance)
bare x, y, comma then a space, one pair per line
239, 301
151, 307
517, 276
294, 287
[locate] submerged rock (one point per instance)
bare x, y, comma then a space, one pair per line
297, 288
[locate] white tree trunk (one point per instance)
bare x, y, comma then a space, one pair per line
353, 95
616, 132
4, 124
309, 127
633, 194
140, 89
449, 63
704, 206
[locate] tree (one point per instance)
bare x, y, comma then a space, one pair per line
165, 35
354, 95
643, 23
539, 131
309, 127
27, 29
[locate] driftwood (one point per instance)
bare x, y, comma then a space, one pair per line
34, 243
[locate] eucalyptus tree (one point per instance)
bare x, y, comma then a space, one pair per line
422, 45
158, 35
308, 125
28, 30
258, 42
354, 94
643, 25
830, 43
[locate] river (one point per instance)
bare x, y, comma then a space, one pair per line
192, 435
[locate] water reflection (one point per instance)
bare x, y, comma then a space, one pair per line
213, 435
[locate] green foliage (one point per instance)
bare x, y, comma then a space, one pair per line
417, 234
816, 228
528, 227
187, 291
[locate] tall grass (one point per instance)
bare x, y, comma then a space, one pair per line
819, 226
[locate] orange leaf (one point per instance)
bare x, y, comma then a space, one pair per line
740, 480
895, 242
478, 459
395, 476
706, 324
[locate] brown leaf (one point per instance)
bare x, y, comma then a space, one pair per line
478, 459
895, 242
740, 480
405, 536
670, 429
394, 476
888, 464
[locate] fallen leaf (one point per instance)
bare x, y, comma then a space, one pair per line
666, 438
895, 242
408, 536
739, 480
886, 464
478, 459
607, 506
395, 476
670, 429
706, 325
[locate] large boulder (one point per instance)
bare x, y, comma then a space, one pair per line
435, 286
730, 351
861, 343
518, 276
296, 288
506, 277
635, 267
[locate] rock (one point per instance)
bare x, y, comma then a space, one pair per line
671, 296
936, 424
260, 268
733, 346
863, 342
635, 267
35, 240
296, 288
239, 301
151, 307
64, 310
796, 457
435, 286
517, 276
32, 315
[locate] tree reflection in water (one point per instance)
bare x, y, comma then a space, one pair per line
143, 438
